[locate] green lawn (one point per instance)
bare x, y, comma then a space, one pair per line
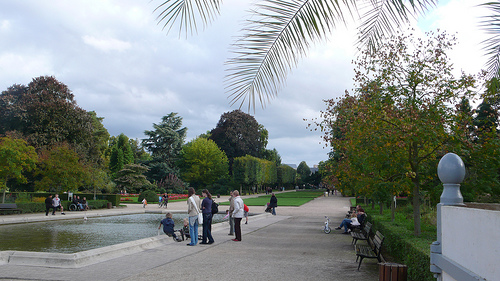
293, 199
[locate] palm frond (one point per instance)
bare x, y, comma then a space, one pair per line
382, 17
277, 35
491, 24
186, 13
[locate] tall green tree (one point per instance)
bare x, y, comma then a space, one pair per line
202, 163
286, 175
164, 143
16, 158
238, 134
303, 171
131, 179
121, 154
272, 155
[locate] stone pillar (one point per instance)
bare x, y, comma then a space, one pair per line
451, 172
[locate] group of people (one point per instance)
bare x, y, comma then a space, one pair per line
196, 207
357, 218
163, 200
80, 203
54, 204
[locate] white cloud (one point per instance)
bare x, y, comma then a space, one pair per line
106, 44
4, 25
134, 73
22, 68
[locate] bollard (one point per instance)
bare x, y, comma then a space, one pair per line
392, 272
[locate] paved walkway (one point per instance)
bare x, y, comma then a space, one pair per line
289, 246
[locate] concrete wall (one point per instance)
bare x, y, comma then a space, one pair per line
471, 238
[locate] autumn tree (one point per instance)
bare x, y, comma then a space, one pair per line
45, 113
202, 163
398, 119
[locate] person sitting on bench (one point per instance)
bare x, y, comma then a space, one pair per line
357, 219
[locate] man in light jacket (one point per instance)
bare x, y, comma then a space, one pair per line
238, 214
193, 210
231, 209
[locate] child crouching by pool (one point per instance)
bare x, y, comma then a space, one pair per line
168, 226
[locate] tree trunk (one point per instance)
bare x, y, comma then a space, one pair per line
373, 204
416, 208
381, 204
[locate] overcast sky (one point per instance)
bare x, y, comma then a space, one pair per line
119, 63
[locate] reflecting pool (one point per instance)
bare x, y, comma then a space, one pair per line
70, 236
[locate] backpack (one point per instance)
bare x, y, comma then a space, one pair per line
215, 207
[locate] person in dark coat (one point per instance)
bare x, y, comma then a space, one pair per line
48, 204
273, 203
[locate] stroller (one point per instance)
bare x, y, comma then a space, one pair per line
185, 233
268, 209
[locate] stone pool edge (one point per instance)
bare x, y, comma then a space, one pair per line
89, 257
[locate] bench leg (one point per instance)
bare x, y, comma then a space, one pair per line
359, 265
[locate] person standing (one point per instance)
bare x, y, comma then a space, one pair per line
231, 209
193, 210
273, 203
56, 204
238, 214
48, 204
206, 208
165, 199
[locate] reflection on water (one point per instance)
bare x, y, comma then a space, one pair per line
70, 236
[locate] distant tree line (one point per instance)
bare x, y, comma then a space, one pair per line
49, 143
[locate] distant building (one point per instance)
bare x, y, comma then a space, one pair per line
314, 169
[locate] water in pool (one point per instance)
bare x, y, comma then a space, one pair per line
70, 236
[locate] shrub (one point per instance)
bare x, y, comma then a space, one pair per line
150, 196
38, 200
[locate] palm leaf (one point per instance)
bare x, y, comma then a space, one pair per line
187, 13
491, 24
277, 34
382, 17
281, 31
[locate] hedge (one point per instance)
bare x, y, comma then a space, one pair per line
405, 248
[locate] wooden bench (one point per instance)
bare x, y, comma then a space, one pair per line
9, 207
372, 250
364, 234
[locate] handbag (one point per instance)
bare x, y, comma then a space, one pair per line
200, 215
